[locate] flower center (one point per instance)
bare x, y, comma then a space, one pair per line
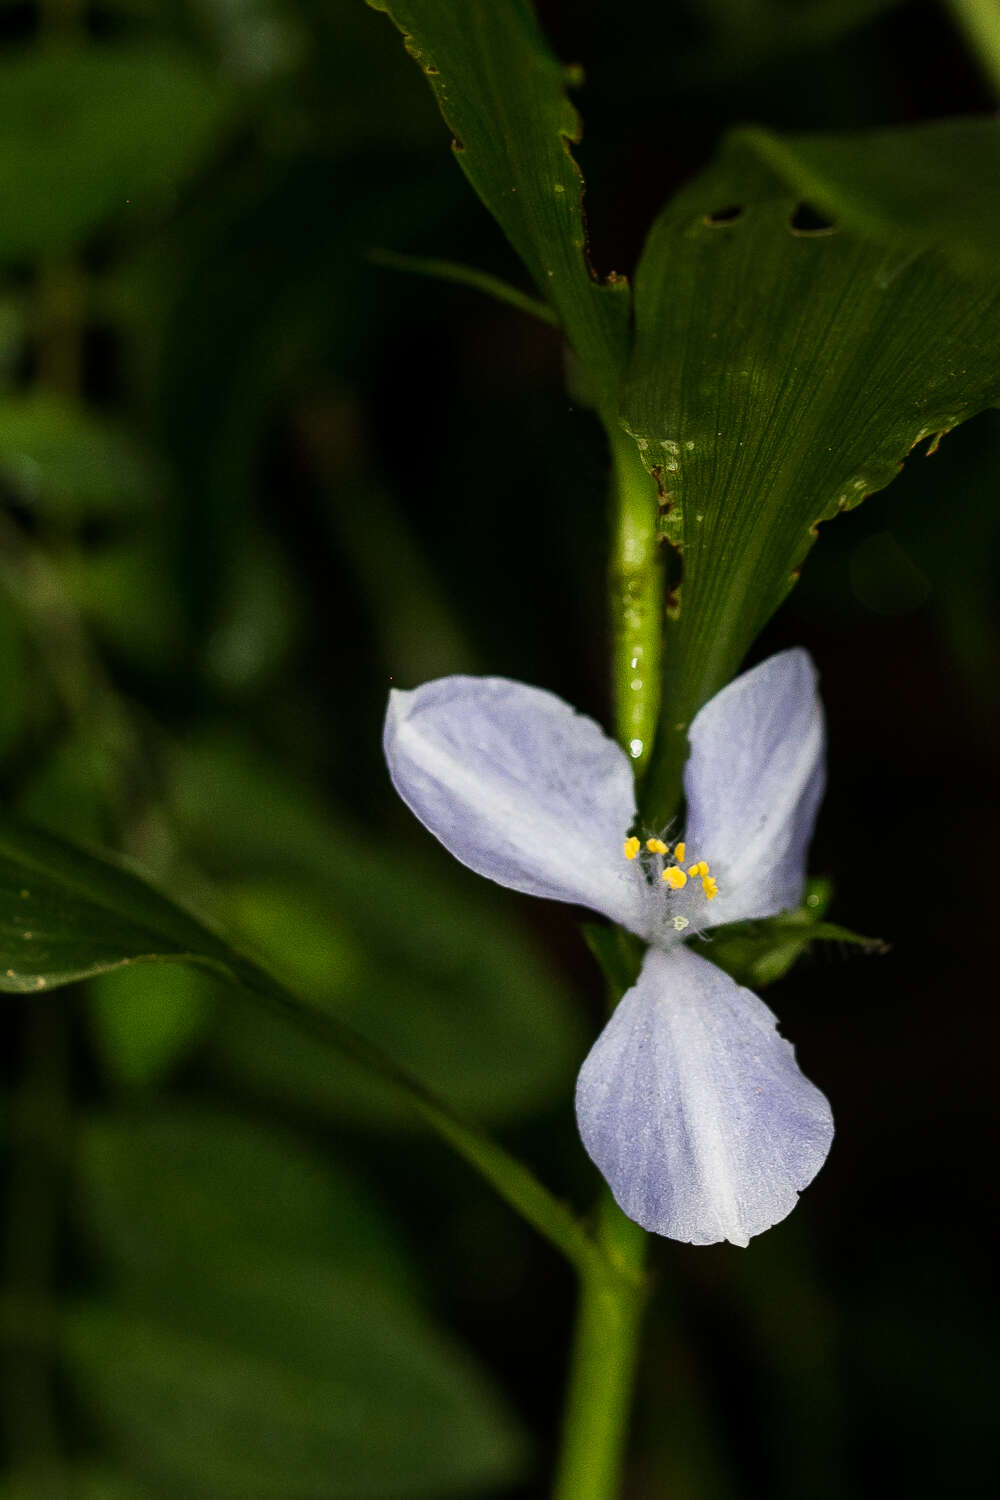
655, 858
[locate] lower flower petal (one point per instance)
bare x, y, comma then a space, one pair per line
694, 1109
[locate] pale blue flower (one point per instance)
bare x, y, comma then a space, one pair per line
689, 1102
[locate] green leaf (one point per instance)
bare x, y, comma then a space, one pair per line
69, 166
504, 96
68, 915
252, 1282
758, 953
779, 375
929, 185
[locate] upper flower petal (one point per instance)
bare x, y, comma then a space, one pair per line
753, 783
694, 1109
519, 787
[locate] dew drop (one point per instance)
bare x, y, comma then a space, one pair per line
635, 748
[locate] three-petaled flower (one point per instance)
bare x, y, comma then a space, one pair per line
689, 1102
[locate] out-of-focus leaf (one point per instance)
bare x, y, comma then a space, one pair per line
101, 1484
340, 1394
68, 915
780, 373
223, 1189
126, 595
504, 96
755, 34
85, 1482
257, 616
69, 462
414, 958
97, 134
144, 1021
455, 993
257, 1289
13, 328
256, 291
13, 674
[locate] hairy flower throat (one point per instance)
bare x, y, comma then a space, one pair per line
674, 875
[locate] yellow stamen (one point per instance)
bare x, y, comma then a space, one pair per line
710, 888
632, 847
657, 846
679, 851
674, 877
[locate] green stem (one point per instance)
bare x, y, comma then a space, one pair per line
979, 20
602, 1375
612, 1290
636, 600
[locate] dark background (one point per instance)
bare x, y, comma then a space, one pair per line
302, 478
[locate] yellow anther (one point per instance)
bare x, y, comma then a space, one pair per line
657, 846
679, 851
631, 848
675, 878
710, 888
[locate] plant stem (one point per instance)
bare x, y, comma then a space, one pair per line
613, 1290
605, 1348
637, 602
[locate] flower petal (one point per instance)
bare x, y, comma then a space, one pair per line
753, 783
518, 787
694, 1109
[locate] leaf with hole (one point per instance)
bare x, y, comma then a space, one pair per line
783, 368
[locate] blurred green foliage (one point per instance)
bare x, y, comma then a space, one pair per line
249, 478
